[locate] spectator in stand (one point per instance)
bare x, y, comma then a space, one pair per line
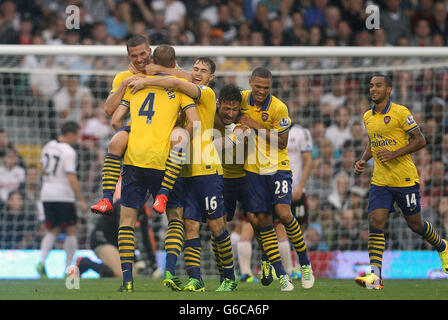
99, 9
336, 97
444, 148
257, 38
395, 22
332, 16
119, 21
25, 34
356, 142
99, 33
340, 130
423, 11
315, 15
297, 33
261, 21
225, 23
436, 182
433, 133
67, 100
315, 36
379, 38
345, 163
443, 212
11, 174
354, 12
54, 33
175, 11
422, 34
30, 189
157, 33
440, 22
6, 145
243, 36
174, 36
340, 186
347, 234
314, 238
318, 134
344, 33
203, 33
320, 179
277, 35
17, 226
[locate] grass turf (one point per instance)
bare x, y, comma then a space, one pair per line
150, 289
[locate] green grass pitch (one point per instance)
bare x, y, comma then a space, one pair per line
150, 289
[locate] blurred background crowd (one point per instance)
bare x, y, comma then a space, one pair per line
330, 105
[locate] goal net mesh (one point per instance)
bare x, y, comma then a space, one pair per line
328, 96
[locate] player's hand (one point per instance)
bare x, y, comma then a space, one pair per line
127, 81
241, 131
385, 155
249, 122
359, 167
296, 194
137, 84
152, 69
83, 206
133, 68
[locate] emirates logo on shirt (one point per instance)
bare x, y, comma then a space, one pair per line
386, 119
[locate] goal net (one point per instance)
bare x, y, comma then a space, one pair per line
326, 90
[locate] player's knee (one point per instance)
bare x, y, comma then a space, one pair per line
376, 222
174, 213
118, 143
217, 226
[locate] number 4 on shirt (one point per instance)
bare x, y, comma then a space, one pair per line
147, 107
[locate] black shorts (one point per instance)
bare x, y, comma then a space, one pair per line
59, 214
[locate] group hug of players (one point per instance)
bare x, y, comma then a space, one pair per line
168, 151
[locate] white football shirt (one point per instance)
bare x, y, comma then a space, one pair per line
58, 159
299, 140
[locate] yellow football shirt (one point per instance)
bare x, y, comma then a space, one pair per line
154, 112
232, 159
389, 130
262, 158
203, 158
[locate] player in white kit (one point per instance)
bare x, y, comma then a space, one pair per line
60, 190
300, 146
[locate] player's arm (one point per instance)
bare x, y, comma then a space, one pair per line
186, 87
152, 69
192, 117
361, 163
416, 142
113, 100
74, 184
307, 157
118, 116
271, 135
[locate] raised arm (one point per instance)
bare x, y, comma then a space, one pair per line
188, 88
114, 99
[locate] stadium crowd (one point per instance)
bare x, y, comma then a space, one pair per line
330, 107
